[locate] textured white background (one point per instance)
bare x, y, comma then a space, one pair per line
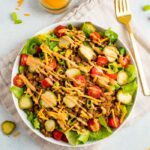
135, 137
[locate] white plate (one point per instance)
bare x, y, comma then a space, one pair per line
22, 113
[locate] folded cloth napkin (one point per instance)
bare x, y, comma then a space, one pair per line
102, 13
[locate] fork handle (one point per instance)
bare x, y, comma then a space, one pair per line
144, 83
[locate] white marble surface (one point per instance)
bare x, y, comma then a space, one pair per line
135, 137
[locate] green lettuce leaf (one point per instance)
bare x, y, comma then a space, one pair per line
104, 124
72, 137
103, 133
131, 71
29, 47
113, 37
75, 138
130, 87
122, 51
83, 138
18, 92
36, 123
114, 67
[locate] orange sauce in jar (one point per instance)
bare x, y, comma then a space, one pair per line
55, 6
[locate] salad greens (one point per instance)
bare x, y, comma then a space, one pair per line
18, 92
103, 133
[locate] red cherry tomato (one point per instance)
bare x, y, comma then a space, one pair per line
38, 49
124, 61
58, 31
102, 60
94, 125
57, 134
94, 36
94, 72
18, 81
94, 91
53, 64
80, 81
23, 59
46, 82
112, 124
64, 139
112, 76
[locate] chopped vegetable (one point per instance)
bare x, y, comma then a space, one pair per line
94, 136
86, 52
36, 123
21, 69
124, 97
8, 127
79, 81
130, 87
122, 51
18, 81
122, 78
104, 124
25, 102
88, 28
72, 137
18, 92
70, 101
57, 135
46, 83
48, 99
59, 30
94, 91
95, 36
111, 53
114, 123
102, 61
72, 72
23, 59
50, 125
111, 35
131, 71
83, 138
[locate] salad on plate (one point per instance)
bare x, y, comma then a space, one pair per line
75, 83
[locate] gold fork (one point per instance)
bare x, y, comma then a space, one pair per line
124, 16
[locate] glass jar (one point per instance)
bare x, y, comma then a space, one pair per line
55, 6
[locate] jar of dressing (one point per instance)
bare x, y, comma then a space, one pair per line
55, 6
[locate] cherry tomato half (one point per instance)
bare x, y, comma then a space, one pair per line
94, 91
94, 125
58, 30
46, 82
102, 60
23, 59
112, 76
57, 134
94, 72
17, 81
80, 81
112, 124
94, 36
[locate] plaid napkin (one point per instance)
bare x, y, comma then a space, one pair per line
100, 12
